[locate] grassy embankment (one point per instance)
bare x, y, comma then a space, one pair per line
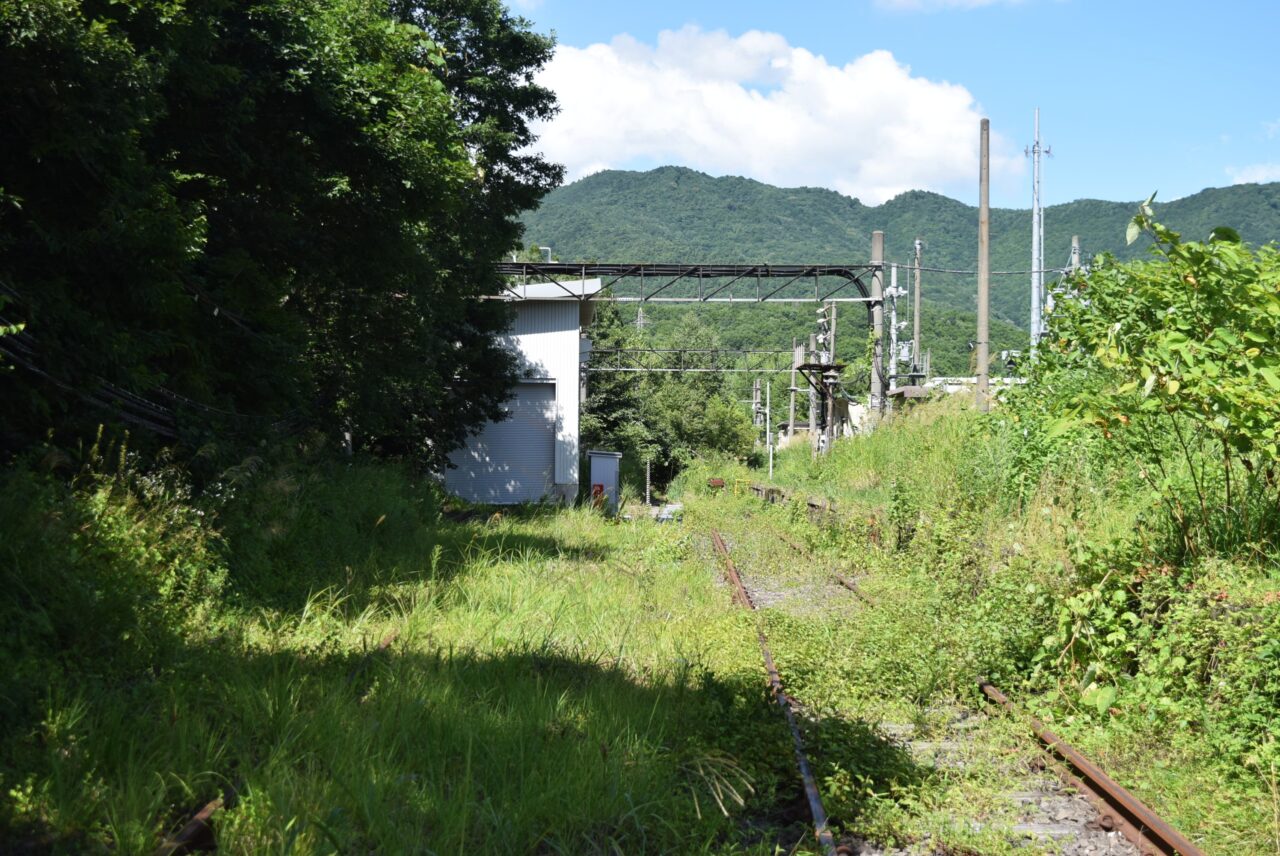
549, 682
553, 682
1065, 594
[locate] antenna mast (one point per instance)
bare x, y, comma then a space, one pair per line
1037, 239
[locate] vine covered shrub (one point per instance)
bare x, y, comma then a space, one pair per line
1160, 381
1175, 364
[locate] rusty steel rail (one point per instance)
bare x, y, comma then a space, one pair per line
1117, 808
835, 575
853, 587
822, 830
820, 509
771, 494
197, 833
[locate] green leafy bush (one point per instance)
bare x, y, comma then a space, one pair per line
100, 577
1175, 361
298, 522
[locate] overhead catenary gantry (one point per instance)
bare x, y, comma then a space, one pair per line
705, 283
732, 283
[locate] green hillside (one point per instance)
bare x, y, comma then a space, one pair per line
946, 332
676, 214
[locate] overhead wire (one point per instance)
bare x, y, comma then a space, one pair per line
22, 349
911, 266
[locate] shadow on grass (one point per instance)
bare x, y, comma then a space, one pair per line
398, 751
862, 767
286, 578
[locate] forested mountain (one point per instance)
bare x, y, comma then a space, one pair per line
676, 214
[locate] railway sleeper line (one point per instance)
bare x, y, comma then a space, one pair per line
822, 829
1118, 810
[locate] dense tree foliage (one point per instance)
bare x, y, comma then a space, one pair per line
664, 419
675, 214
222, 216
946, 332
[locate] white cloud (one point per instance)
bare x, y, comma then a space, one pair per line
754, 105
1273, 128
1258, 173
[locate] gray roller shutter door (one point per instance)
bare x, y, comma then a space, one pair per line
513, 460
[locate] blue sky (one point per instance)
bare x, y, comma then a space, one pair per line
871, 97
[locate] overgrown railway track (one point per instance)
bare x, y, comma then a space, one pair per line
1117, 808
813, 796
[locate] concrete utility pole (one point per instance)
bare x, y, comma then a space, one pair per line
893, 326
984, 262
829, 433
877, 323
791, 410
1050, 301
832, 343
768, 422
813, 397
832, 382
916, 363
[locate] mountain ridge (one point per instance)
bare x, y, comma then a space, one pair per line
675, 214
671, 213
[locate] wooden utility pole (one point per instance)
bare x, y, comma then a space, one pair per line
877, 322
984, 264
917, 364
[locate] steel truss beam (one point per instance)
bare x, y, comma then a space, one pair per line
705, 280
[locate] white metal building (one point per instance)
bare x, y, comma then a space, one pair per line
533, 454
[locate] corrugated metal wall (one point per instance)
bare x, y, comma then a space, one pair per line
514, 460
546, 334
505, 463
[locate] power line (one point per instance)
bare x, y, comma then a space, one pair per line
126, 405
975, 273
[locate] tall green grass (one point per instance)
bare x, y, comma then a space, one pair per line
363, 675
1055, 569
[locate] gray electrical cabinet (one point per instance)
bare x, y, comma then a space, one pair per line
603, 467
